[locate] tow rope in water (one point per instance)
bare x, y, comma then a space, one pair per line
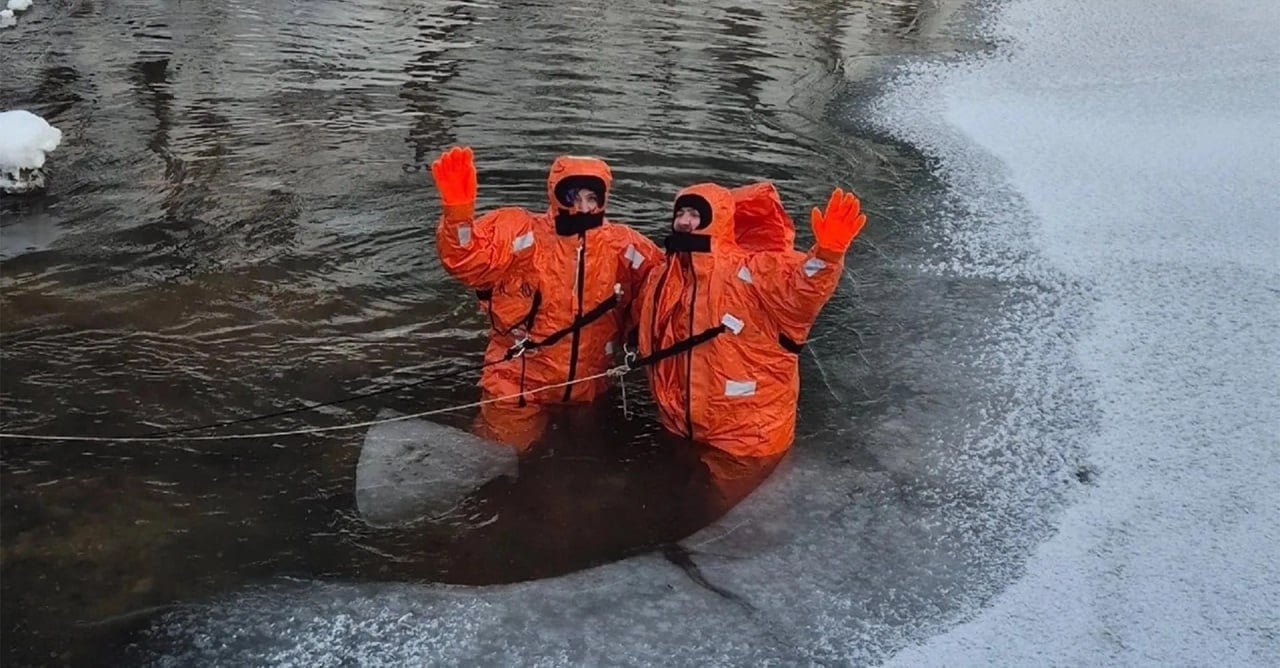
310, 407
616, 372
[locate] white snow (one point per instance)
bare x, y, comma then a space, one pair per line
25, 138
7, 20
19, 5
1145, 141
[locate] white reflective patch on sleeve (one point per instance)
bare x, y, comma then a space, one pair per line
812, 266
744, 273
634, 257
608, 348
739, 388
464, 234
522, 242
734, 324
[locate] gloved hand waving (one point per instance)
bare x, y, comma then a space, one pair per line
455, 176
836, 227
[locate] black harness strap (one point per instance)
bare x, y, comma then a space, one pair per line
677, 347
533, 311
578, 323
486, 295
790, 344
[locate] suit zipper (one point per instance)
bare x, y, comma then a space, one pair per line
579, 270
688, 377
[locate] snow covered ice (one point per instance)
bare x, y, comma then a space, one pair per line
1144, 141
25, 139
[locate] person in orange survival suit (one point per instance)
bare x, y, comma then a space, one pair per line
721, 324
555, 286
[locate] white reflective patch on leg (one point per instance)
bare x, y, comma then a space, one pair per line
735, 325
812, 266
744, 273
522, 242
464, 234
634, 257
739, 388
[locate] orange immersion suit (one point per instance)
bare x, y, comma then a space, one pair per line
560, 280
720, 326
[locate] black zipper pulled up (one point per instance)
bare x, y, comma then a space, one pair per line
573, 341
688, 377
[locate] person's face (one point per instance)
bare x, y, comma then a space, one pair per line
585, 201
687, 219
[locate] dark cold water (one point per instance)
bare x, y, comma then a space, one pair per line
239, 220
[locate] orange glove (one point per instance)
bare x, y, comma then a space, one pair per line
455, 176
839, 224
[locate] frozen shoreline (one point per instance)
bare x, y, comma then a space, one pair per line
1142, 156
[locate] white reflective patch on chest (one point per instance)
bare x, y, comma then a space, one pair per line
733, 324
739, 388
464, 234
812, 266
522, 242
744, 273
634, 257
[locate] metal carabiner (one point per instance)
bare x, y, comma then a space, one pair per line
518, 348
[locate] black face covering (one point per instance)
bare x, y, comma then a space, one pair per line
569, 224
687, 242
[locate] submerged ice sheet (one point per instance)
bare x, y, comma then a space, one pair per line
415, 469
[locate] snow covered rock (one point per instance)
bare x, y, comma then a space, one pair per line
25, 139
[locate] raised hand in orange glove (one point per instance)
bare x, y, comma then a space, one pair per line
836, 227
455, 176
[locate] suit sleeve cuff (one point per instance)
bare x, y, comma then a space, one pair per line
827, 255
455, 213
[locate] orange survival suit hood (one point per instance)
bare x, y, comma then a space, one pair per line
568, 175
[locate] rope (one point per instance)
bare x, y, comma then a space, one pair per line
309, 407
615, 372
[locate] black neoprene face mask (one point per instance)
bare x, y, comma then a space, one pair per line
687, 242
568, 224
